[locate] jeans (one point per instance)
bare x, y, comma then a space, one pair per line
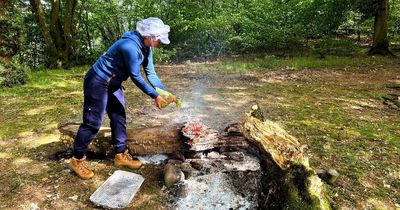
100, 97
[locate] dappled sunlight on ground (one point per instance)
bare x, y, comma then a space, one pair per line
338, 113
21, 161
56, 84
25, 134
13, 100
39, 140
375, 203
74, 94
39, 110
4, 155
236, 88
359, 103
26, 166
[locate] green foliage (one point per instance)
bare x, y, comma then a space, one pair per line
330, 46
162, 55
33, 45
394, 23
322, 17
12, 73
210, 28
10, 29
367, 8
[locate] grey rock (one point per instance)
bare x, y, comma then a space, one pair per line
320, 172
329, 176
172, 175
333, 175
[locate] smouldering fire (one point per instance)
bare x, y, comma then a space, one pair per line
192, 129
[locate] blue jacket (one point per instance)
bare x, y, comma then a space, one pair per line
123, 60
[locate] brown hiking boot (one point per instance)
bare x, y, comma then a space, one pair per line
125, 159
80, 167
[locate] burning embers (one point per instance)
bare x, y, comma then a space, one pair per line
199, 137
192, 130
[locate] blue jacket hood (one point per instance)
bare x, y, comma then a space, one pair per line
134, 36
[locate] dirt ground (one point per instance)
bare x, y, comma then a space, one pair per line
338, 113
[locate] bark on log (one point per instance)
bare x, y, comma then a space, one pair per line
152, 140
290, 182
207, 138
140, 141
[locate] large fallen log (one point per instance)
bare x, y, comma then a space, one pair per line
157, 139
199, 137
289, 183
140, 141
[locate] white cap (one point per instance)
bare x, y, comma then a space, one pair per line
154, 27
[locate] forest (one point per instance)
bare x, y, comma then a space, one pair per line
327, 71
63, 34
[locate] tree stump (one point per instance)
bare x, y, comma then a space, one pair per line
289, 183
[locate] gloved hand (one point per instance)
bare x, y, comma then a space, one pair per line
170, 98
160, 102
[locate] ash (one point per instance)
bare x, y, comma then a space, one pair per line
218, 181
153, 159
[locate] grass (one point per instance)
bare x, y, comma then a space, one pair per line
358, 143
295, 63
335, 106
332, 105
48, 98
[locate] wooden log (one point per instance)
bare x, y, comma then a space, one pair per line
152, 140
290, 182
140, 141
208, 138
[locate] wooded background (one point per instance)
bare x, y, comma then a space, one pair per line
40, 34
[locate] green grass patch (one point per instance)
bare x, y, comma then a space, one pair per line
237, 65
342, 122
50, 97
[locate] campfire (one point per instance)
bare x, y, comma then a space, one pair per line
252, 165
214, 173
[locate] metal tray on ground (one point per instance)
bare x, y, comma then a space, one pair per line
118, 190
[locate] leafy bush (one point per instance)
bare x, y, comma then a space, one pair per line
12, 73
330, 46
162, 55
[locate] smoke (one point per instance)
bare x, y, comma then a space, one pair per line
194, 107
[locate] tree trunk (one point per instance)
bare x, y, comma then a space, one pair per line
88, 38
58, 35
68, 28
380, 43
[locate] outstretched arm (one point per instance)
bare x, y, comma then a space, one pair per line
130, 54
151, 73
